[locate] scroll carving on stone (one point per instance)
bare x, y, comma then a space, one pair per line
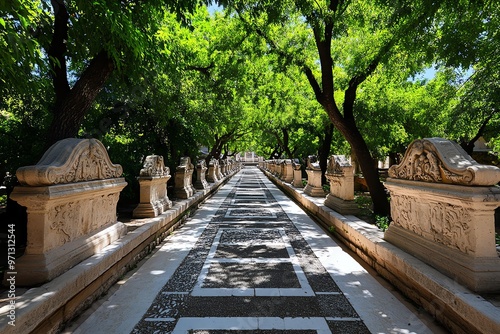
59, 215
338, 164
70, 160
440, 160
154, 166
312, 163
449, 225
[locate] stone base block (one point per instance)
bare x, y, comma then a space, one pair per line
341, 206
480, 274
150, 210
201, 184
314, 191
36, 269
184, 193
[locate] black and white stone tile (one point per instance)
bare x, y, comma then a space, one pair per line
250, 271
251, 261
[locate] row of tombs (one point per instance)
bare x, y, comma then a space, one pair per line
442, 201
71, 198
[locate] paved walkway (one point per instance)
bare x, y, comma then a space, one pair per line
251, 261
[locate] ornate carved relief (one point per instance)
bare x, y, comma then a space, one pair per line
154, 166
58, 217
338, 164
70, 160
443, 161
449, 225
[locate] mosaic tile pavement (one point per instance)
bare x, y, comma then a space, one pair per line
251, 271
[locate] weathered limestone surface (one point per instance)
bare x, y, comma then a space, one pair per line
218, 170
212, 176
440, 218
184, 179
286, 170
70, 196
297, 174
153, 179
201, 170
340, 174
313, 187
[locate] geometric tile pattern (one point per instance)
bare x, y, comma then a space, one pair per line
251, 271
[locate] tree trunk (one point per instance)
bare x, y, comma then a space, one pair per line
324, 150
71, 108
72, 104
366, 164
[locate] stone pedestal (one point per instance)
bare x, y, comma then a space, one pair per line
153, 179
70, 196
212, 176
313, 187
218, 170
201, 169
287, 170
184, 179
340, 174
223, 167
443, 205
297, 174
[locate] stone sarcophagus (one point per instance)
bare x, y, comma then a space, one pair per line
153, 179
297, 174
201, 170
70, 196
443, 210
313, 187
212, 175
340, 174
184, 179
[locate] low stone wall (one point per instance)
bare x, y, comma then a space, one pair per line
456, 307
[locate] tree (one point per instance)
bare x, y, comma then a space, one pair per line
352, 38
87, 42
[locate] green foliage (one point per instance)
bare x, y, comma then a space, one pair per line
382, 222
363, 201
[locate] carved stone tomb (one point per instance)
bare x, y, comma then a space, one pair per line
153, 179
313, 187
184, 179
340, 174
443, 206
70, 196
201, 170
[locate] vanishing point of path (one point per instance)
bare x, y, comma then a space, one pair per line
251, 261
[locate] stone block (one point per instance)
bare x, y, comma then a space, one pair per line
443, 209
184, 179
213, 176
153, 179
70, 196
297, 174
201, 170
313, 187
287, 171
340, 174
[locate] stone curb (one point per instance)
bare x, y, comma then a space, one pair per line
456, 307
46, 308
